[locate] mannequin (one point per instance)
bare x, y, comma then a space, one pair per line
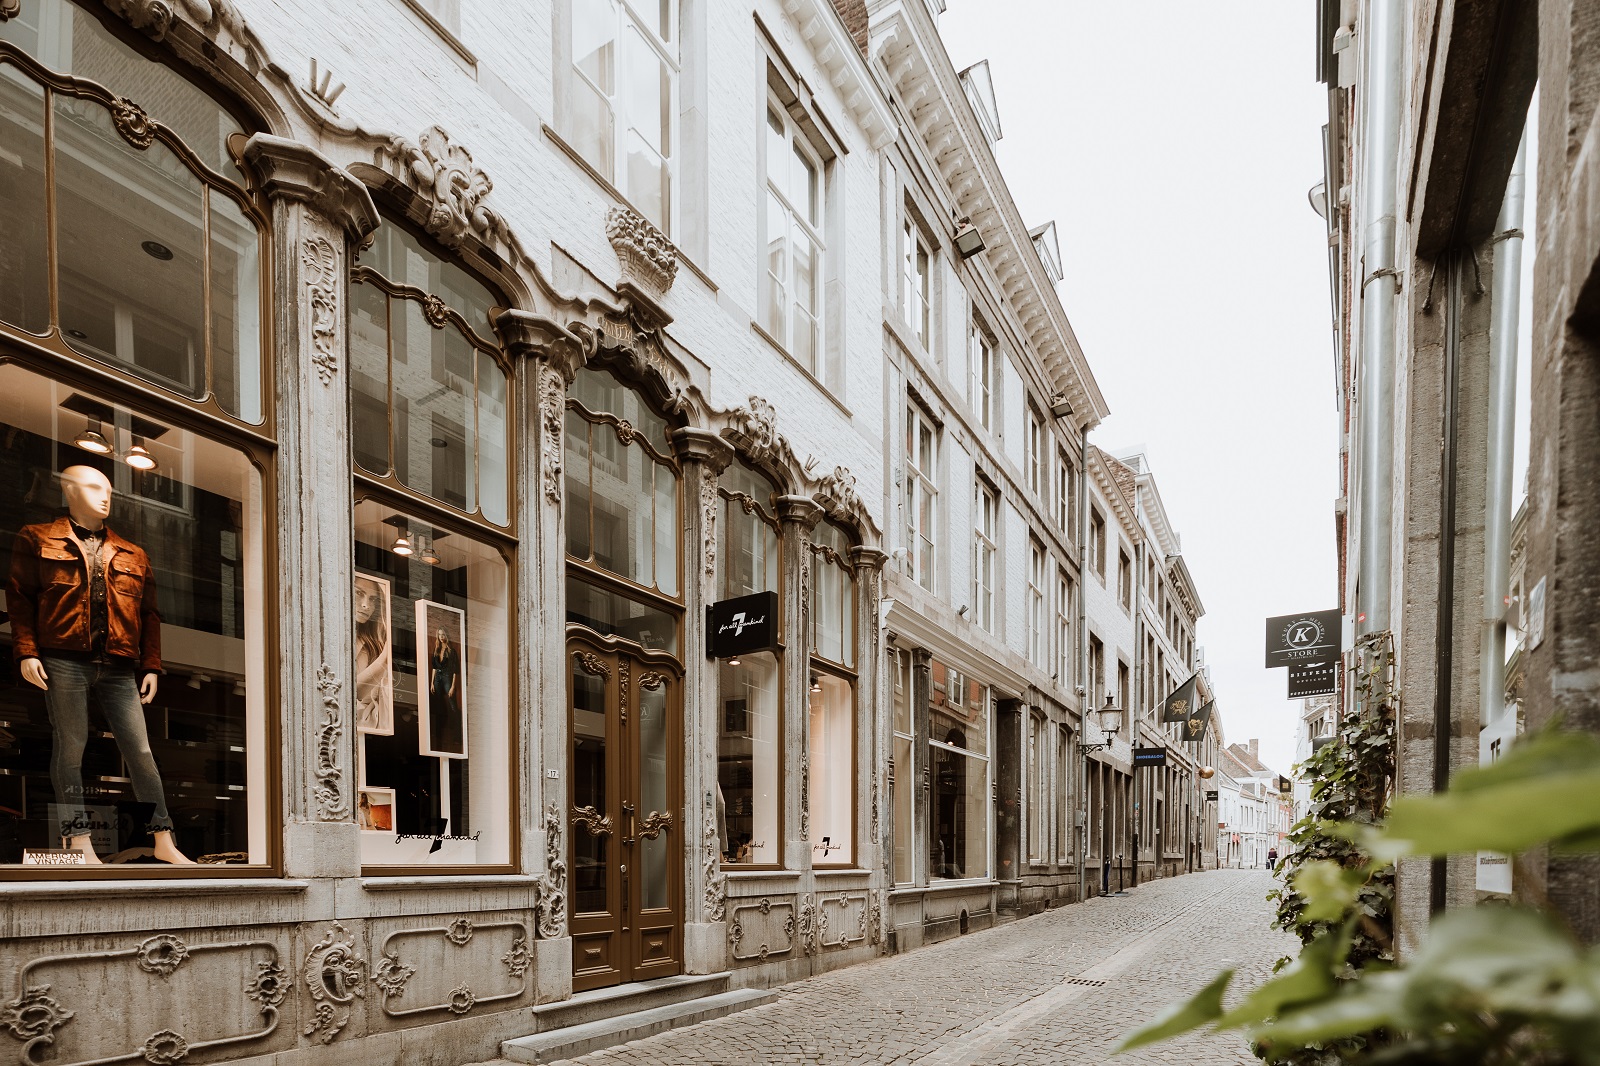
83, 614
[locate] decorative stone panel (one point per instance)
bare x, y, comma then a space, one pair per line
762, 928
457, 967
845, 919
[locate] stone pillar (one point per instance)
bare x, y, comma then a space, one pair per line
319, 214
704, 456
1007, 798
547, 359
875, 728
797, 516
919, 771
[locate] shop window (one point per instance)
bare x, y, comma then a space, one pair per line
904, 829
1038, 790
1066, 796
832, 793
833, 597
751, 545
157, 247
750, 759
158, 753
958, 750
432, 636
428, 391
622, 484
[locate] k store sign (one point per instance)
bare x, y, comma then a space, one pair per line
742, 625
1299, 639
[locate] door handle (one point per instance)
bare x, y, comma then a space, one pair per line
627, 808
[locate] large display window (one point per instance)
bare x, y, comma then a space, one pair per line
134, 714
958, 750
904, 828
832, 716
431, 631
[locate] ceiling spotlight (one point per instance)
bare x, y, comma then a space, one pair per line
401, 545
425, 550
92, 439
816, 685
139, 456
156, 250
733, 660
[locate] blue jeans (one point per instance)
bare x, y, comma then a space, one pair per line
67, 699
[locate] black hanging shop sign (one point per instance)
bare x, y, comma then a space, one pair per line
1312, 679
1308, 637
742, 625
1149, 756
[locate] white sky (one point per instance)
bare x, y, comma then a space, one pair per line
1174, 144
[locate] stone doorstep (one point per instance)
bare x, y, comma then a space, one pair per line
576, 1040
599, 1004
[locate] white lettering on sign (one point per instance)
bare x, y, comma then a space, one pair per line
740, 623
54, 857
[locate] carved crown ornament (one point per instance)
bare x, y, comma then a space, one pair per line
648, 259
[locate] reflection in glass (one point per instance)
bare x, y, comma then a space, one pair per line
832, 770
749, 550
654, 760
749, 743
612, 614
25, 268
588, 789
903, 827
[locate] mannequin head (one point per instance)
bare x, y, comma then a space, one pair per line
88, 495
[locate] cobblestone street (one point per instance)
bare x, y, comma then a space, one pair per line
1058, 987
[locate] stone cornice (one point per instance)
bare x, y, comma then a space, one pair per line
298, 172
832, 45
801, 510
696, 445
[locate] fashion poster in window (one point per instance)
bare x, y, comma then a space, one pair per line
442, 680
375, 809
374, 656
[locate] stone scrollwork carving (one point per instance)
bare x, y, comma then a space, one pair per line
459, 931
268, 987
516, 959
812, 925
34, 1016
445, 174
552, 404
161, 954
716, 893
755, 428
462, 999
875, 919
709, 499
132, 122
329, 790
321, 265
840, 487
872, 828
552, 903
164, 1048
647, 257
805, 792
334, 975
391, 975
151, 16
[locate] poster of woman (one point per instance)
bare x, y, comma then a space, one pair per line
441, 691
374, 657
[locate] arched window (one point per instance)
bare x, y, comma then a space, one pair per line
433, 627
750, 741
136, 457
832, 685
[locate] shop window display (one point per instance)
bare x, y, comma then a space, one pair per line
832, 739
958, 743
899, 665
135, 717
431, 635
750, 760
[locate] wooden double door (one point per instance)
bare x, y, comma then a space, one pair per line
627, 835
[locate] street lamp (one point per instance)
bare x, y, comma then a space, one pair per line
1110, 717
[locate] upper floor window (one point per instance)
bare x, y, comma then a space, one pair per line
1064, 594
1034, 443
982, 376
428, 392
1097, 542
1064, 495
985, 507
916, 295
793, 229
129, 237
622, 98
1125, 579
921, 495
1036, 587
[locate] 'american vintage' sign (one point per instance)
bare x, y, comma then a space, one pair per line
741, 625
1298, 639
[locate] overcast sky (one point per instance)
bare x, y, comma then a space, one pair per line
1174, 143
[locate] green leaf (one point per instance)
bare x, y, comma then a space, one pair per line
1509, 816
1309, 978
1204, 1006
1371, 1006
1330, 890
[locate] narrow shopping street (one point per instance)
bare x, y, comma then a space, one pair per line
1059, 987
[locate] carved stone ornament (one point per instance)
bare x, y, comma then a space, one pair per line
132, 123
321, 265
334, 975
461, 999
153, 17
552, 404
647, 257
516, 959
709, 500
164, 1048
872, 828
552, 904
329, 790
161, 954
812, 925
455, 188
392, 975
805, 791
754, 427
716, 894
840, 487
34, 1016
875, 919
268, 987
436, 311
459, 931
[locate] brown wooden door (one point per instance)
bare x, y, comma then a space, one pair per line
626, 810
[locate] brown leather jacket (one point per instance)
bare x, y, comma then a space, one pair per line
48, 596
